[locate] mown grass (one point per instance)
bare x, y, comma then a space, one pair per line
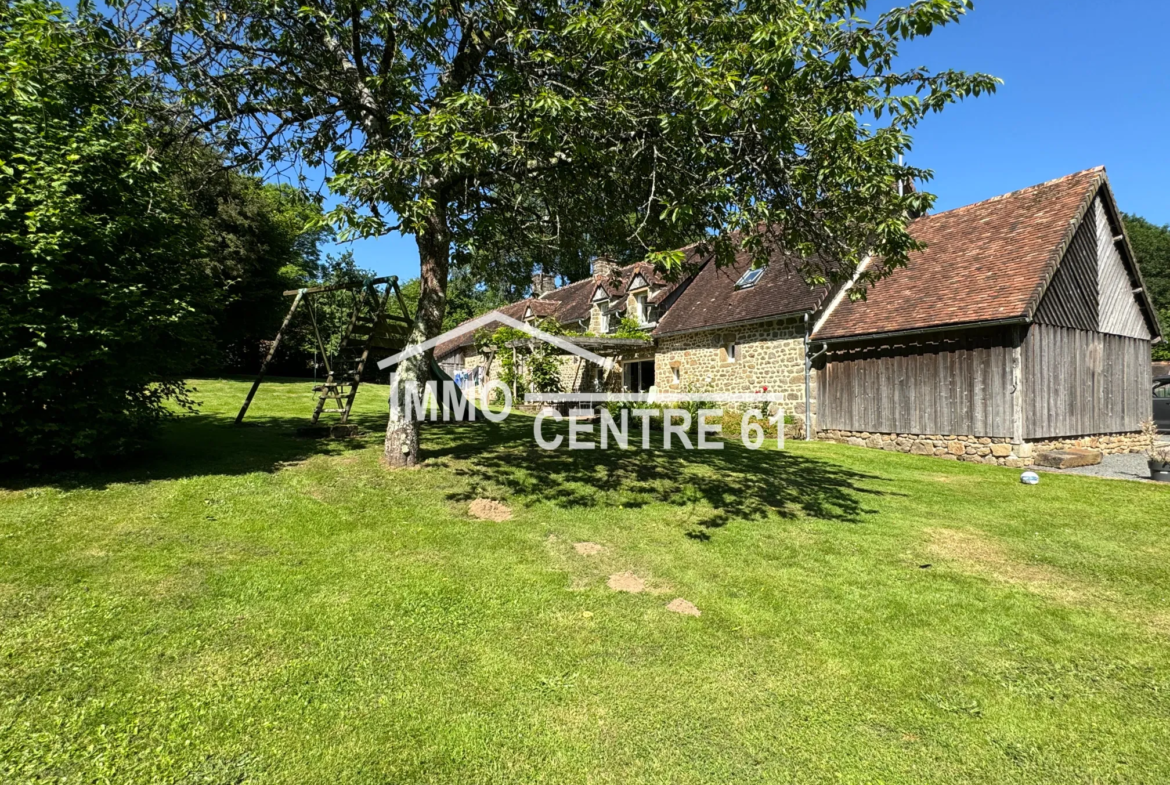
246, 606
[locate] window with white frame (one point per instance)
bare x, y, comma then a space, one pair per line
674, 374
642, 308
730, 352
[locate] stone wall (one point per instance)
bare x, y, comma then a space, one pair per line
1109, 443
999, 451
767, 354
580, 375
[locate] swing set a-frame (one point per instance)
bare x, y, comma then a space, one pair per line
370, 328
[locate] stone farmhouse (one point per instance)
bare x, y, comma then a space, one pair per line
1023, 325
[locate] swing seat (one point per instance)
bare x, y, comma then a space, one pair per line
370, 328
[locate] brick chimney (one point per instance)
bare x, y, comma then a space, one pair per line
605, 268
543, 283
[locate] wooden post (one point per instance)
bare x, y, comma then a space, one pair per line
393, 282
268, 358
1017, 380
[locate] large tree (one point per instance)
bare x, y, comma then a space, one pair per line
99, 284
771, 123
1151, 245
258, 240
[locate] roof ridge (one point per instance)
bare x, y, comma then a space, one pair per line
1017, 192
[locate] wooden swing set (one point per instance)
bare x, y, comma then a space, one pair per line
370, 327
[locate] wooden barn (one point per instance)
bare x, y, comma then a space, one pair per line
1023, 325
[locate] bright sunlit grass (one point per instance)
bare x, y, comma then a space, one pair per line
246, 606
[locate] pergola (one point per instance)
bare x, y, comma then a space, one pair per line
597, 345
606, 347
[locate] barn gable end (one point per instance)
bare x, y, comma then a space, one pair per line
1120, 312
1071, 299
1093, 289
1024, 319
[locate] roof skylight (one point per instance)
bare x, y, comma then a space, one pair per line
749, 278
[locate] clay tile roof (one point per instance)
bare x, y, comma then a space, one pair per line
574, 301
987, 261
543, 307
711, 299
516, 310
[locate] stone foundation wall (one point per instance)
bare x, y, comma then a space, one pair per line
996, 451
1110, 443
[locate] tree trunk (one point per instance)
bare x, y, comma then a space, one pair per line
434, 253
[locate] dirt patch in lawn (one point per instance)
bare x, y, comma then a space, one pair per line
981, 555
489, 510
978, 554
626, 581
587, 565
679, 605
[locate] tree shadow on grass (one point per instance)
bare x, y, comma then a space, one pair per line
195, 445
710, 487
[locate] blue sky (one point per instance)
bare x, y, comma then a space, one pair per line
1086, 83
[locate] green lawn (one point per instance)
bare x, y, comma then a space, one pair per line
245, 606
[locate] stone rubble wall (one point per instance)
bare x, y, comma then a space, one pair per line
580, 375
1108, 443
996, 451
768, 354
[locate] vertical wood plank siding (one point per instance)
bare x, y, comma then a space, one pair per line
1081, 383
1120, 312
1082, 368
945, 384
1071, 298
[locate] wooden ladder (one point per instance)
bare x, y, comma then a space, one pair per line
365, 332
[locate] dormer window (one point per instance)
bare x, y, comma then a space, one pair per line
642, 309
750, 278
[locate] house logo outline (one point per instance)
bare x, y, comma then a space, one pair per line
489, 318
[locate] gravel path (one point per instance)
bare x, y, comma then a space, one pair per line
1132, 466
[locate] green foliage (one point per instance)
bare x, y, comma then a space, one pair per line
629, 328
98, 278
535, 369
545, 130
498, 134
257, 241
466, 298
328, 314
1151, 245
